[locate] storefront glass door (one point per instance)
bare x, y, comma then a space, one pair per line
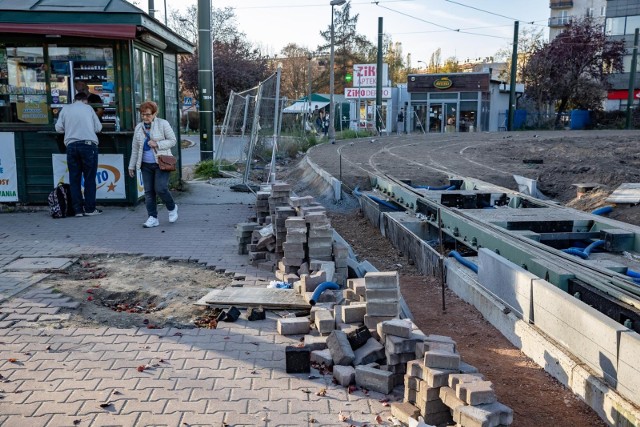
443, 117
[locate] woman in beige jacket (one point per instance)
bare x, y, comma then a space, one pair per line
152, 137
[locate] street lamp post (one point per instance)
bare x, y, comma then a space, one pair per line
332, 129
308, 115
425, 64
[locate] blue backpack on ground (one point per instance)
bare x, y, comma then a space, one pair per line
60, 201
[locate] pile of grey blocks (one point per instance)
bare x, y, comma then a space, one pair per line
439, 388
300, 239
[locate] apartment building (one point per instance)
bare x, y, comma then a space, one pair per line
564, 11
622, 19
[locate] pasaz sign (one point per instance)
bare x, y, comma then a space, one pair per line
366, 92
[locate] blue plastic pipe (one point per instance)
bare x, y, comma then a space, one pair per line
603, 210
377, 200
633, 274
592, 246
470, 265
576, 252
320, 289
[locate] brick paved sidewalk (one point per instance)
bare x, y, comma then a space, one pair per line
233, 375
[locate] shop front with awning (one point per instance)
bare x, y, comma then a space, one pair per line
302, 105
49, 51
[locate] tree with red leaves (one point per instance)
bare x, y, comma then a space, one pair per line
572, 70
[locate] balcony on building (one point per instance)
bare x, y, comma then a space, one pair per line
560, 21
560, 4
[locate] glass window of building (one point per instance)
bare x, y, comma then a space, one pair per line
83, 69
147, 76
615, 26
23, 97
633, 22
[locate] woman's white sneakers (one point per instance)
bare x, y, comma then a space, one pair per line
173, 215
151, 222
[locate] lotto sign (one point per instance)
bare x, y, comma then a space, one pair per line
366, 93
109, 178
366, 75
8, 169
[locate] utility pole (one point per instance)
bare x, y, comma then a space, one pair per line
512, 83
205, 79
632, 80
379, 79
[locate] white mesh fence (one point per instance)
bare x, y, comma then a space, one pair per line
250, 130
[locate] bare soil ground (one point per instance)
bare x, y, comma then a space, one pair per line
131, 292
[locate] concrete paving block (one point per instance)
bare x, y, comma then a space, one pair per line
293, 326
442, 360
315, 342
382, 280
509, 282
438, 418
434, 406
322, 357
297, 360
413, 383
441, 342
427, 394
465, 368
476, 392
319, 306
396, 358
591, 336
396, 327
416, 368
628, 367
354, 313
403, 411
372, 351
344, 375
437, 377
382, 295
396, 344
491, 415
374, 379
388, 309
324, 322
455, 379
341, 351
449, 398
371, 321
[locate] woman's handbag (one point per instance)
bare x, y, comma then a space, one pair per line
167, 163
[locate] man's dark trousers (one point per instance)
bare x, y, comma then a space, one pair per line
82, 161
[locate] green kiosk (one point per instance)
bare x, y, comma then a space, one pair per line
49, 50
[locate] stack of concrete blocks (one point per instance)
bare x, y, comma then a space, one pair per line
262, 205
340, 257
399, 341
442, 388
382, 294
279, 196
295, 244
279, 228
244, 232
320, 241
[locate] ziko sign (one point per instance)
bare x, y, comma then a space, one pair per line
366, 92
365, 75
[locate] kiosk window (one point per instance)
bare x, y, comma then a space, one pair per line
147, 76
83, 69
23, 97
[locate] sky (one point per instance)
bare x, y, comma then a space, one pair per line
465, 29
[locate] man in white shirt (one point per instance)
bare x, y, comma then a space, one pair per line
80, 124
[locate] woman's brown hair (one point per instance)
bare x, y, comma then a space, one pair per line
149, 105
